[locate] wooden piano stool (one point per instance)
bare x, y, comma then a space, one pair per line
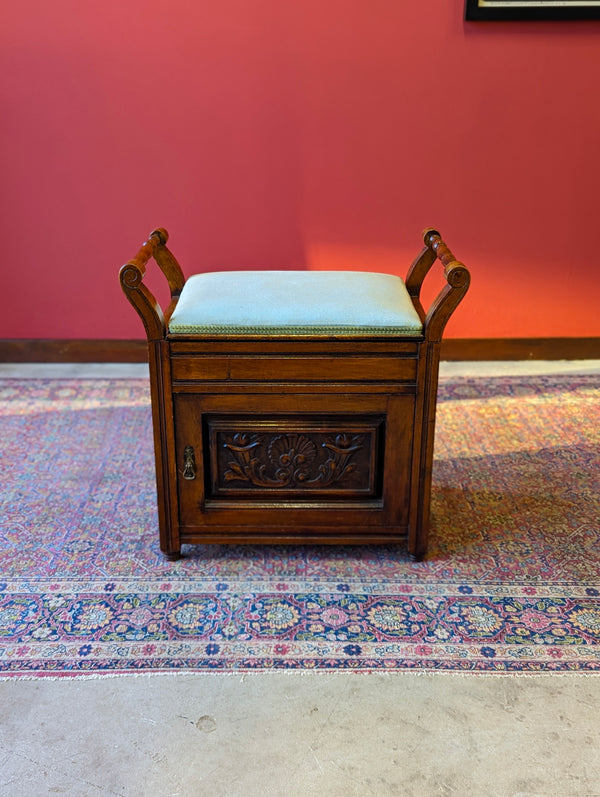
294, 407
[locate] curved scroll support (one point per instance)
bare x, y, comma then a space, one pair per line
416, 276
142, 299
148, 309
458, 280
169, 267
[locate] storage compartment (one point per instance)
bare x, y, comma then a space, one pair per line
255, 464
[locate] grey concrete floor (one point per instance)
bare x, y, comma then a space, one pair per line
280, 734
140, 370
287, 734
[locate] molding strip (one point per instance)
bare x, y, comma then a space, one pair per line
479, 349
73, 351
454, 349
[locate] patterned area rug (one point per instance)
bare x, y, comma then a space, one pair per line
511, 583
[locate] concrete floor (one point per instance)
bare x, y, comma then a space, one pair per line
140, 370
294, 735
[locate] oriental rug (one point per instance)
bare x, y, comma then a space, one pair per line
511, 582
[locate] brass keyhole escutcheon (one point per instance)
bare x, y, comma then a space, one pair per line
189, 463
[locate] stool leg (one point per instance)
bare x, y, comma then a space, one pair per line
164, 452
419, 541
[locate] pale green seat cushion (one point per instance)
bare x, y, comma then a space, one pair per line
295, 303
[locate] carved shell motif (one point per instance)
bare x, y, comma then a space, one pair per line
292, 457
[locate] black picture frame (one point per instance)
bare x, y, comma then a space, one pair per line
482, 10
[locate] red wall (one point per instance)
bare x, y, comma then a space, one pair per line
325, 133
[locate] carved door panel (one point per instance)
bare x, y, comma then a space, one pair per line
264, 454
295, 458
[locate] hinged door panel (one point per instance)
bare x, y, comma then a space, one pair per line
292, 459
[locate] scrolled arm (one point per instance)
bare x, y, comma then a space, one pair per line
131, 277
457, 278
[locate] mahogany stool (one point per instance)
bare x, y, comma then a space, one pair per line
293, 407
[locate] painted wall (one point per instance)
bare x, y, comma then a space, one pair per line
317, 134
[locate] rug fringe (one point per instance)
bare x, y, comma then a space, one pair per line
304, 674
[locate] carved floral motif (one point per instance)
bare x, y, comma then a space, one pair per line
291, 460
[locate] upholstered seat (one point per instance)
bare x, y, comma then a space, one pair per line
295, 303
293, 407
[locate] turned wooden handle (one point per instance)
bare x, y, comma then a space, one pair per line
456, 273
434, 241
158, 237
